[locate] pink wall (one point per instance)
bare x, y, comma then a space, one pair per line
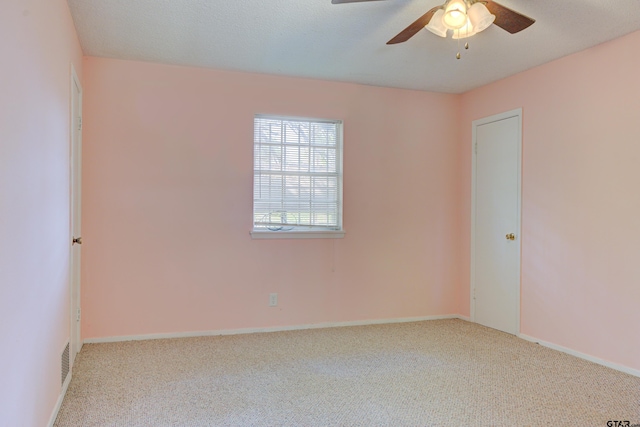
38, 43
168, 199
581, 197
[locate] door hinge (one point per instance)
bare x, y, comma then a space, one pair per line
475, 147
77, 315
79, 122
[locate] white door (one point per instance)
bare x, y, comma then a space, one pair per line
495, 240
76, 239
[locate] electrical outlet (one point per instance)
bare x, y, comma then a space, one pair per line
273, 300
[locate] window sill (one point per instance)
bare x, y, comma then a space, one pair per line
297, 234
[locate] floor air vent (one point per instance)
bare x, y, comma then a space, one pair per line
65, 363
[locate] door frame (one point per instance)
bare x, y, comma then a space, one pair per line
475, 124
75, 150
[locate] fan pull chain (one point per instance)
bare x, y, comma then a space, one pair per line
466, 46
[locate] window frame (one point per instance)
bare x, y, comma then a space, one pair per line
303, 233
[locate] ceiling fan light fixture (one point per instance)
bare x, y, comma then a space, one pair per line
480, 17
467, 30
436, 26
455, 14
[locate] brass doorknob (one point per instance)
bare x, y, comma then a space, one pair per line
77, 240
511, 236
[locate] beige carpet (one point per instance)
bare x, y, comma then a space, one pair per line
435, 373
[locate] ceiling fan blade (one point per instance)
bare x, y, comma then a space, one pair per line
508, 19
349, 1
413, 29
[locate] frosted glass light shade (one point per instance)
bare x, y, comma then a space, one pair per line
467, 30
455, 15
436, 26
480, 17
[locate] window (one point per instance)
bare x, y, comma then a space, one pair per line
297, 177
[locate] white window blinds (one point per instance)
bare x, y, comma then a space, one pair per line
297, 179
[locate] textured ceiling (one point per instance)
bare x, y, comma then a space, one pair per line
344, 42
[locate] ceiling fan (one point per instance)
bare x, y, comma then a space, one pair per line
464, 17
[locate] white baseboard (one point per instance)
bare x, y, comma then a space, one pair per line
617, 367
63, 392
270, 329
